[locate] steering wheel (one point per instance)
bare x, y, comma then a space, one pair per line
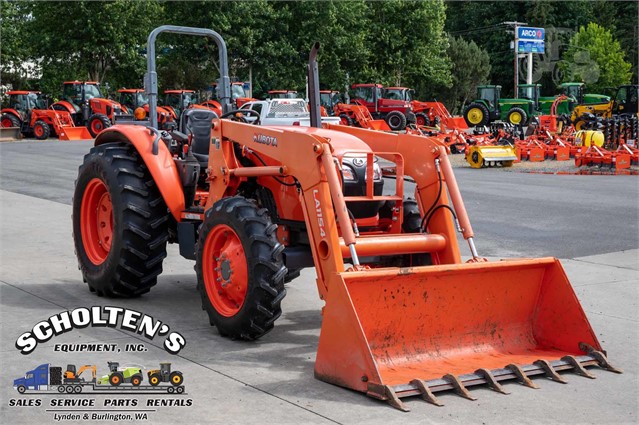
234, 115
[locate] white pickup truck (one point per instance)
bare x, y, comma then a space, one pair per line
283, 112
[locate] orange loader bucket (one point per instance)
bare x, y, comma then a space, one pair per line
414, 331
74, 133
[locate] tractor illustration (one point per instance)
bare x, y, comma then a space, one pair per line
128, 375
164, 374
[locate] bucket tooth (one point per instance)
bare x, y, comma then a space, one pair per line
579, 369
491, 381
521, 376
550, 371
600, 357
393, 400
458, 386
426, 393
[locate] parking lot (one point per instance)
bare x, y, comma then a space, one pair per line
590, 222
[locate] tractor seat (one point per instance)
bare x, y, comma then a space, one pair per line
197, 124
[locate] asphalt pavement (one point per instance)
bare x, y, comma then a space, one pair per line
590, 222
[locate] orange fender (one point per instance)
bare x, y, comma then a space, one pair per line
162, 167
66, 105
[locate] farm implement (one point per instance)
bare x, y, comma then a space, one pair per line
403, 315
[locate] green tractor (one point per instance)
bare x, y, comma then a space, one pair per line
490, 107
576, 91
128, 375
544, 103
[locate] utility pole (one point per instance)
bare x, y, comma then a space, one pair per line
515, 24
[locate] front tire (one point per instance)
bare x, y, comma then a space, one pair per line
154, 379
345, 119
97, 123
116, 379
120, 222
517, 116
239, 268
41, 130
421, 119
396, 120
21, 389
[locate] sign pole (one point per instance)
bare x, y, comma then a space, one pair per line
516, 85
530, 68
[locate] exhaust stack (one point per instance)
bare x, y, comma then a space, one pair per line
313, 87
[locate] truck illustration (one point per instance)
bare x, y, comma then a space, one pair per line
48, 378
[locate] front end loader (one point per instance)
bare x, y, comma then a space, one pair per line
404, 315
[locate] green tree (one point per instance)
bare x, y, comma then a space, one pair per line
408, 45
100, 41
15, 50
470, 68
595, 57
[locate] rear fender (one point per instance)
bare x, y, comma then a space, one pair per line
64, 105
11, 111
161, 166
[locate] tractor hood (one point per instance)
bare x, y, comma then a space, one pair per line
340, 141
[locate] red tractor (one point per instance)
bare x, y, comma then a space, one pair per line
84, 101
397, 113
28, 111
136, 102
283, 94
426, 113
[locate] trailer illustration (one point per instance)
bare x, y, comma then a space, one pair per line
51, 379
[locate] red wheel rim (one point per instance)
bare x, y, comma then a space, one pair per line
38, 131
6, 123
420, 120
97, 126
225, 270
96, 221
343, 121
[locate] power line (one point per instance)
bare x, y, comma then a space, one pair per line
493, 27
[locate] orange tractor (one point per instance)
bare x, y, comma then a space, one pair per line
28, 111
136, 103
403, 314
84, 101
426, 113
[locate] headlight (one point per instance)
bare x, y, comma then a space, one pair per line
348, 174
377, 172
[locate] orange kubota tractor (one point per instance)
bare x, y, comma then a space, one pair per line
426, 113
28, 111
136, 103
84, 101
403, 314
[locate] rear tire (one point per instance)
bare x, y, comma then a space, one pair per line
136, 380
241, 293
126, 258
476, 115
176, 378
396, 120
97, 123
9, 120
41, 130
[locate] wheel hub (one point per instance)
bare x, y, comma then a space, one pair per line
96, 221
225, 270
